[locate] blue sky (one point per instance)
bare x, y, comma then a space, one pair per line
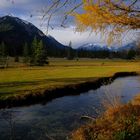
24, 8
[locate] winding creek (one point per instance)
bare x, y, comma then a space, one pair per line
59, 117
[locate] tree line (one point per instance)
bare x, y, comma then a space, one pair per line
130, 54
34, 54
37, 53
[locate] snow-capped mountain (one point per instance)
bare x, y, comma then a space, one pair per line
95, 47
92, 47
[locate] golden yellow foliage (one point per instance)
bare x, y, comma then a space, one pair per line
106, 15
120, 123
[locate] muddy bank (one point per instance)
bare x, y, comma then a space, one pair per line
45, 96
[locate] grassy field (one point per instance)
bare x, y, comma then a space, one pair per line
20, 79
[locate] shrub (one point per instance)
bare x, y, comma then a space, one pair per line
120, 123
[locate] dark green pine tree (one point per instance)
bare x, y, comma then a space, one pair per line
32, 51
69, 51
3, 52
40, 56
3, 55
34, 45
131, 54
26, 53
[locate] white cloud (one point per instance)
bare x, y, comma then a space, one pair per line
5, 4
69, 34
11, 3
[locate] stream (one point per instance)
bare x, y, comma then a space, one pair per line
56, 119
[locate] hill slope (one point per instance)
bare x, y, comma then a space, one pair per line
19, 31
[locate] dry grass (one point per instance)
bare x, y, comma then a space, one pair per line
119, 123
112, 99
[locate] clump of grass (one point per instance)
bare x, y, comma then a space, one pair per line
136, 100
112, 97
120, 123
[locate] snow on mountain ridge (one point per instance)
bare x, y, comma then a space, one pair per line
95, 47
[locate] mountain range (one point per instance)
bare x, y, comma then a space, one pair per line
15, 32
95, 47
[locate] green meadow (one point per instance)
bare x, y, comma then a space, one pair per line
21, 79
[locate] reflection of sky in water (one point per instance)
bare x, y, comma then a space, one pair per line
60, 116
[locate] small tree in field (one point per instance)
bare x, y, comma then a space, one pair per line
69, 51
39, 55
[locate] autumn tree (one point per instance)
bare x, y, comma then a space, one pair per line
110, 17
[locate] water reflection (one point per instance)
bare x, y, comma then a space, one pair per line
59, 117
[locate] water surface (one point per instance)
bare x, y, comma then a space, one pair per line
58, 118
